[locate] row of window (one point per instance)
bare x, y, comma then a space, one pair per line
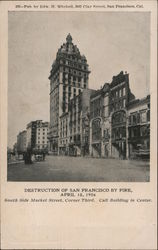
74, 64
44, 133
137, 132
117, 133
139, 117
69, 76
118, 105
74, 57
42, 137
41, 146
43, 142
63, 142
119, 93
96, 106
44, 129
70, 90
76, 84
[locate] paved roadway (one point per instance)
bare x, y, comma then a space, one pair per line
62, 168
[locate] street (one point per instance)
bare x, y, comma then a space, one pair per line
79, 169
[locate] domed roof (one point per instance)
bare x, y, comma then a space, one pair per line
69, 47
70, 51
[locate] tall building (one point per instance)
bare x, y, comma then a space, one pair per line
68, 77
37, 135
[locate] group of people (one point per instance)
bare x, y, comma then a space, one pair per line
29, 157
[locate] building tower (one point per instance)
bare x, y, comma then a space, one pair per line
68, 77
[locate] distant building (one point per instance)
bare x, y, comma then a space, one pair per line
21, 142
42, 130
15, 148
37, 135
68, 77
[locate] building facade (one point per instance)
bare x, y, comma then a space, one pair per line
31, 135
64, 134
79, 110
120, 97
139, 128
113, 109
100, 122
68, 77
42, 130
37, 135
74, 126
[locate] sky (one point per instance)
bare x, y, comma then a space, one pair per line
111, 42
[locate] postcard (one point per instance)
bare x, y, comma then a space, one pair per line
78, 124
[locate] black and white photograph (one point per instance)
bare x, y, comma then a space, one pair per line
78, 133
78, 96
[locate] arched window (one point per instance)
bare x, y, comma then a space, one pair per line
96, 129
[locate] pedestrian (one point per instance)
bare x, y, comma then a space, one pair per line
44, 155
